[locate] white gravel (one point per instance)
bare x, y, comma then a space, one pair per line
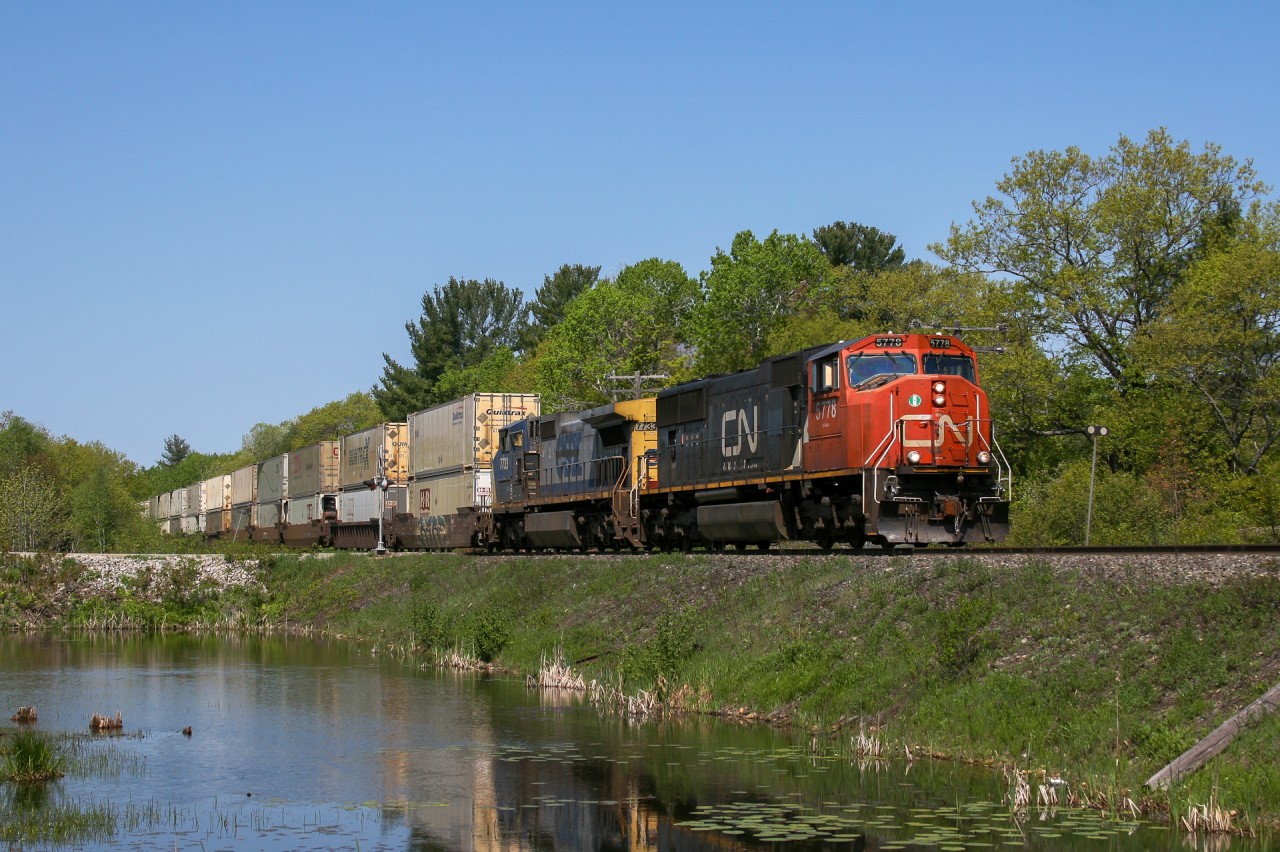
105, 572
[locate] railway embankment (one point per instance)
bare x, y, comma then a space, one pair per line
1096, 668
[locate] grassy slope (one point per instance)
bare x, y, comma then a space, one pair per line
1105, 678
1102, 677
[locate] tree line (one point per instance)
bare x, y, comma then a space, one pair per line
1136, 288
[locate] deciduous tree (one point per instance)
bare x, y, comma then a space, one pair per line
748, 292
627, 325
1100, 242
1219, 338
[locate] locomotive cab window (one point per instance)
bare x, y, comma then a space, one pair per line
825, 375
950, 365
864, 366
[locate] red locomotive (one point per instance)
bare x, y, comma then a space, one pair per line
886, 440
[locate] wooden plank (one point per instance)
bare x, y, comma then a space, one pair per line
1209, 747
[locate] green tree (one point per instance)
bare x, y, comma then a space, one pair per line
627, 325
33, 510
859, 247
1219, 339
175, 450
267, 440
100, 507
462, 322
748, 293
1100, 242
497, 373
195, 467
553, 298
22, 443
333, 420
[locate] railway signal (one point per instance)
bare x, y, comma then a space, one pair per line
1094, 432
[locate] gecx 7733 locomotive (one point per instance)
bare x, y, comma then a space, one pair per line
886, 440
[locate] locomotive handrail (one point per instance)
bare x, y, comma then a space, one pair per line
876, 460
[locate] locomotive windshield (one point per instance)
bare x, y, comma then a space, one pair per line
868, 365
950, 365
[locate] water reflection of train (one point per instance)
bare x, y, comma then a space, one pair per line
885, 440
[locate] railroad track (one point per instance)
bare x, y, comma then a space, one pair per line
776, 552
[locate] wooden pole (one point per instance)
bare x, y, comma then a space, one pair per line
1209, 747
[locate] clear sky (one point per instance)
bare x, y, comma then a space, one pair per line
218, 214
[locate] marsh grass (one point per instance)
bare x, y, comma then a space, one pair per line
31, 757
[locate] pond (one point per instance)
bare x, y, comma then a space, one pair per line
298, 743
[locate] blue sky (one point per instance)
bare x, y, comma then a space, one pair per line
213, 215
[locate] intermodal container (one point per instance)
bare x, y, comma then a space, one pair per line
304, 510
244, 485
177, 502
366, 505
241, 518
217, 492
273, 479
360, 453
463, 434
195, 499
217, 521
314, 470
266, 514
444, 495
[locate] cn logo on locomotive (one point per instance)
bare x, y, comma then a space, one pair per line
744, 431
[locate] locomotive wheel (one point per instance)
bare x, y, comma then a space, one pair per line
826, 538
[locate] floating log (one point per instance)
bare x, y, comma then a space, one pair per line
1212, 745
25, 715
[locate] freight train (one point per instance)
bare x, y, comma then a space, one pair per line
887, 441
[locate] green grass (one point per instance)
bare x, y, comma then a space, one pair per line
30, 757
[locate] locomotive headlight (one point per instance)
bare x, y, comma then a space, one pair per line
939, 387
913, 457
984, 457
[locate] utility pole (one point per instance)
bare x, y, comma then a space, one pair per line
637, 381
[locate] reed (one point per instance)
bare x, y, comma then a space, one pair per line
32, 758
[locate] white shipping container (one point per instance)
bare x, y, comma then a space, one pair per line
304, 510
273, 479
217, 493
175, 526
190, 524
177, 502
244, 485
195, 499
463, 434
162, 506
368, 505
314, 469
438, 496
360, 455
